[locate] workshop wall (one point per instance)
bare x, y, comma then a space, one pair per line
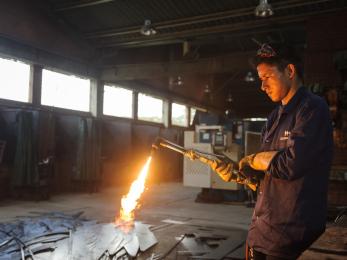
116, 151
65, 151
326, 35
29, 137
326, 39
7, 135
124, 144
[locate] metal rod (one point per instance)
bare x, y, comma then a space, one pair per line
184, 151
173, 148
80, 4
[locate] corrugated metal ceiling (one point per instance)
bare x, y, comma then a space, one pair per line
116, 23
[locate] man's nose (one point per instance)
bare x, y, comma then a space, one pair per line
263, 85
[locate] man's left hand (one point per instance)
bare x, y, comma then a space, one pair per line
258, 161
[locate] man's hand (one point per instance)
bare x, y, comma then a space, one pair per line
246, 161
253, 166
251, 174
258, 161
224, 169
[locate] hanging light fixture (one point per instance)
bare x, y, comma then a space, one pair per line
176, 81
249, 77
207, 89
148, 29
229, 112
229, 98
179, 81
263, 9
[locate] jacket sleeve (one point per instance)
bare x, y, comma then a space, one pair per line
308, 141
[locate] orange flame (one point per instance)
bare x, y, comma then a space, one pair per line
130, 201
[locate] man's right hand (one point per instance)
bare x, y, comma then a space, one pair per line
251, 174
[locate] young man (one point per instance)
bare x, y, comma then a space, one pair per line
295, 155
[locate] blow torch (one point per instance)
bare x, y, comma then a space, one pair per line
202, 157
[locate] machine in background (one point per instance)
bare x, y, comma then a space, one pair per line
209, 139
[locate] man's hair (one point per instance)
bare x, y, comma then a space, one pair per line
279, 56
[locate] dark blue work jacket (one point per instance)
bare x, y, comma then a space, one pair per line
290, 212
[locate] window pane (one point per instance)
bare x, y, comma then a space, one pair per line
15, 77
150, 108
179, 115
118, 102
192, 115
65, 91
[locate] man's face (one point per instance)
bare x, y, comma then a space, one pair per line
275, 83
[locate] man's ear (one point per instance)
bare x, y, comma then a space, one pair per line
290, 70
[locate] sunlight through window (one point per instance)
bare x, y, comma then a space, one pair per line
179, 115
15, 78
150, 108
192, 115
118, 102
65, 91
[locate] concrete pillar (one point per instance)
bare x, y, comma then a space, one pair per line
96, 97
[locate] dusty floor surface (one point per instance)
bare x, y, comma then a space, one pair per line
170, 208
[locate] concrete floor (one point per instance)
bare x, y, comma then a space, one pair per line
160, 206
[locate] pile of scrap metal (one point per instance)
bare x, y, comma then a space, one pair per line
56, 236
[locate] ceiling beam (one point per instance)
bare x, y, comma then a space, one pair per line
222, 64
79, 4
179, 37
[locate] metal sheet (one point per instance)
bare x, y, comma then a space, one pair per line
145, 236
133, 245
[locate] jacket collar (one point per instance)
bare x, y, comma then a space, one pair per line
293, 101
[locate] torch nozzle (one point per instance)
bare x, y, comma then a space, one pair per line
153, 149
156, 145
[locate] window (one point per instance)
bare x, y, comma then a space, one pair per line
65, 91
15, 78
118, 102
192, 115
179, 115
150, 108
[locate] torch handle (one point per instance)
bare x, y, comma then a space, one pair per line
201, 156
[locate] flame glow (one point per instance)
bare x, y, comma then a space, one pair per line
130, 201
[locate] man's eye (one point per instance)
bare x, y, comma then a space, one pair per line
264, 78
